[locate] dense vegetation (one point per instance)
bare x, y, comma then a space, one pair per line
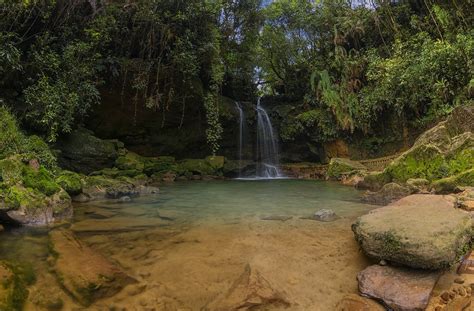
349, 65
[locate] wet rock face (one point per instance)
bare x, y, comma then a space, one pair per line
85, 274
82, 152
419, 231
399, 288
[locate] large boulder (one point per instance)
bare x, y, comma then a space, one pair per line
338, 167
398, 288
82, 152
419, 231
85, 274
30, 195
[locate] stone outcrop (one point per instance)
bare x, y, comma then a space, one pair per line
419, 231
81, 151
85, 274
443, 155
398, 288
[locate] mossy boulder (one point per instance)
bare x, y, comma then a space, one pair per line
82, 152
216, 162
373, 181
130, 161
71, 182
419, 231
196, 166
160, 164
441, 152
423, 161
338, 167
14, 280
27, 206
452, 183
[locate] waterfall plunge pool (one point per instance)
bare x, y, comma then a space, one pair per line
189, 244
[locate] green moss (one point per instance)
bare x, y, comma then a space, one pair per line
390, 243
461, 161
11, 170
216, 162
11, 139
130, 161
41, 180
160, 165
374, 181
195, 166
450, 184
71, 182
18, 196
420, 162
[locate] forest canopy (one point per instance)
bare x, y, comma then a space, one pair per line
347, 63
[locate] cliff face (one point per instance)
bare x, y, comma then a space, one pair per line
179, 130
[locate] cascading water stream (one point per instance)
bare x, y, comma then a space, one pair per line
241, 133
267, 146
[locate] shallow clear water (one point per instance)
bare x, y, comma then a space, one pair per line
202, 209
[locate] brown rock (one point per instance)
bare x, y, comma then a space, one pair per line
34, 164
250, 291
85, 274
399, 288
353, 302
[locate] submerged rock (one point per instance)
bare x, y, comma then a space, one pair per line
325, 215
276, 217
419, 231
399, 288
14, 280
353, 302
251, 291
85, 274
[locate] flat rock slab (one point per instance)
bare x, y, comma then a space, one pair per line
398, 288
419, 231
85, 274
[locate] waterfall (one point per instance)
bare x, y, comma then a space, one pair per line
267, 146
241, 133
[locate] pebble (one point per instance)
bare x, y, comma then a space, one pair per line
445, 296
459, 280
